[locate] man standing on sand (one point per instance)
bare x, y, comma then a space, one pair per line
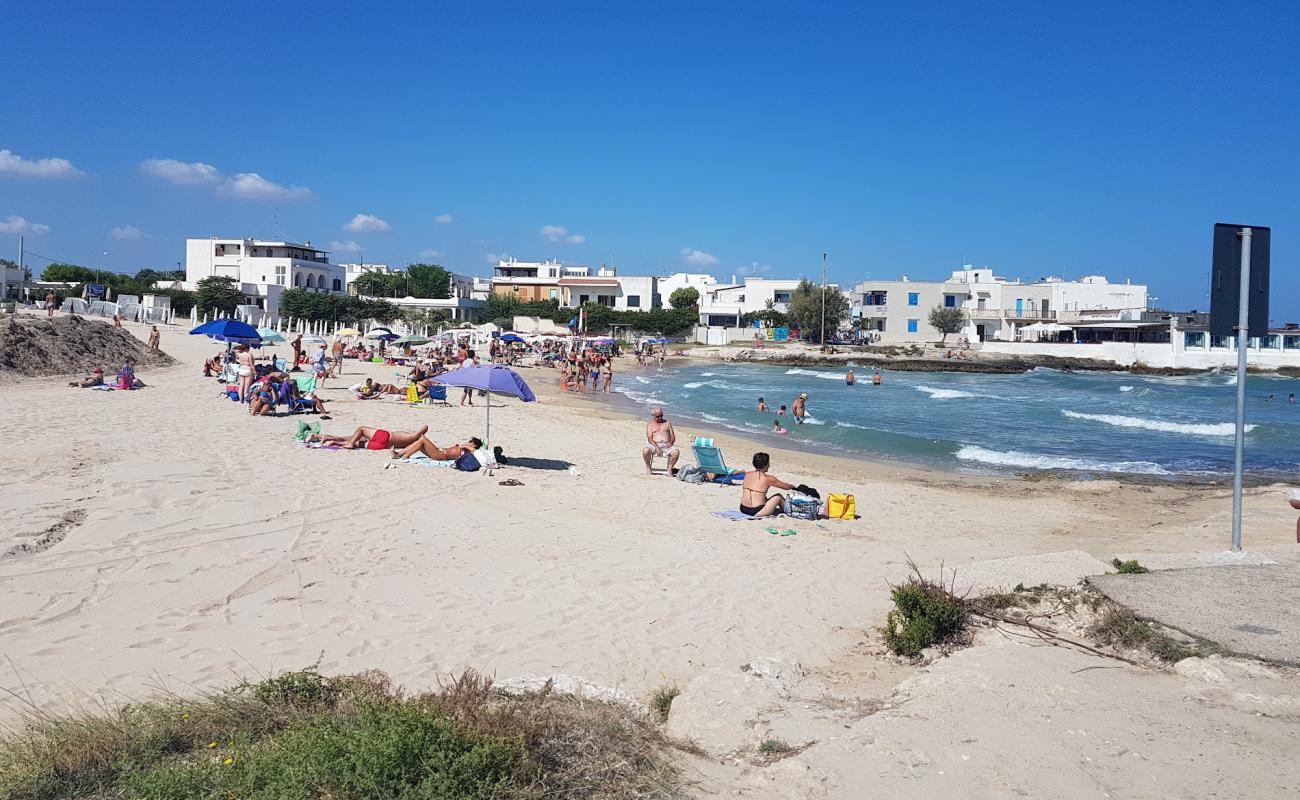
297, 354
318, 366
49, 304
338, 357
662, 441
799, 411
154, 337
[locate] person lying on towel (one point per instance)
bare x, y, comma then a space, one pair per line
368, 438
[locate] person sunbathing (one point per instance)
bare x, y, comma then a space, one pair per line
96, 378
371, 390
368, 438
754, 500
432, 450
263, 400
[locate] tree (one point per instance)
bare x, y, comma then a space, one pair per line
218, 294
806, 309
769, 315
380, 284
685, 297
71, 273
946, 320
428, 281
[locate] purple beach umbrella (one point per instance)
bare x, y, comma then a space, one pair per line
493, 379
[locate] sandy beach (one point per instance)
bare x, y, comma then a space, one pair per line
165, 537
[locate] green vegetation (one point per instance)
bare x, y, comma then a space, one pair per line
769, 315
417, 280
685, 297
303, 736
502, 309
661, 701
218, 295
1119, 627
315, 306
1130, 567
806, 309
774, 747
947, 320
925, 614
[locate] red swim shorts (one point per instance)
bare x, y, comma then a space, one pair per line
379, 441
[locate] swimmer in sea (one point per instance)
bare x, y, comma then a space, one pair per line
762, 405
776, 426
850, 379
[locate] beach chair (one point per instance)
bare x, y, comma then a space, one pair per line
306, 385
708, 457
437, 394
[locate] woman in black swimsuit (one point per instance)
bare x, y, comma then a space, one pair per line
754, 501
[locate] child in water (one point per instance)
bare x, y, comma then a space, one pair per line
776, 427
781, 412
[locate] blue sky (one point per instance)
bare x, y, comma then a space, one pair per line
730, 138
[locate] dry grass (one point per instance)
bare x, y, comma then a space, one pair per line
303, 735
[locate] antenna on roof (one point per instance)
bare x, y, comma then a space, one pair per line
279, 234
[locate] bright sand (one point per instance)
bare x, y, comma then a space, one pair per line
203, 544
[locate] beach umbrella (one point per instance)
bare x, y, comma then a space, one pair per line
414, 340
493, 379
512, 337
270, 335
312, 341
349, 332
229, 330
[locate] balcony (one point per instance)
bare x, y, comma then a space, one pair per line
872, 312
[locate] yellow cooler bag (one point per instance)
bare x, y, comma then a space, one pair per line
841, 506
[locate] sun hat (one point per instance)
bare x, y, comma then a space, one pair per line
803, 396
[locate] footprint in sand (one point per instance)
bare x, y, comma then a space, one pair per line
48, 537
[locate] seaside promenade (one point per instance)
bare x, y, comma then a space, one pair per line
186, 543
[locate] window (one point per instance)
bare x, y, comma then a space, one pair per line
950, 301
337, 288
1272, 341
1220, 341
279, 273
913, 325
914, 298
555, 294
583, 298
605, 300
1291, 342
297, 279
634, 301
1193, 338
780, 297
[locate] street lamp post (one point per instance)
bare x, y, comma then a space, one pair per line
824, 256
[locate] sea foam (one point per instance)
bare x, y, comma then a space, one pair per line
1016, 458
813, 373
943, 394
1192, 428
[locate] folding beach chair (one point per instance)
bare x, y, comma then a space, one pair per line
306, 385
708, 458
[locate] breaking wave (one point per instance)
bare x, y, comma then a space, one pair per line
943, 394
814, 373
1016, 458
1192, 428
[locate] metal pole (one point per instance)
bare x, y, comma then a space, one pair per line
1243, 323
824, 255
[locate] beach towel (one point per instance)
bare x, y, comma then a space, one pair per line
320, 446
422, 460
734, 516
103, 388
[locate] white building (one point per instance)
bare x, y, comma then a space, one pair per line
667, 284
353, 271
262, 269
996, 309
529, 281
725, 304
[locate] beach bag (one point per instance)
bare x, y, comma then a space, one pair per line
690, 475
841, 506
467, 463
808, 490
801, 506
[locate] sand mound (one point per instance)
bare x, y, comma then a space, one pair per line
41, 346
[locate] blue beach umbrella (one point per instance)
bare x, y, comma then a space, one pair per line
512, 337
229, 330
270, 335
493, 379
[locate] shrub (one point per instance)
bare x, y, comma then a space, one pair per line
305, 736
773, 747
661, 701
925, 614
1130, 567
1119, 627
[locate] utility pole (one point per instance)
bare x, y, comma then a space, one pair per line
824, 257
1243, 340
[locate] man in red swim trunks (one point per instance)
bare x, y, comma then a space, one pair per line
371, 438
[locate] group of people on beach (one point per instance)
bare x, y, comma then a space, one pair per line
126, 378
590, 368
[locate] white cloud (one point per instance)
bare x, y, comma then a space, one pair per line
430, 254
443, 219
251, 186
13, 165
181, 172
699, 258
128, 232
366, 223
17, 224
557, 233
493, 258
345, 247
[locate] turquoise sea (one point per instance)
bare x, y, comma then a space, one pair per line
1044, 419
